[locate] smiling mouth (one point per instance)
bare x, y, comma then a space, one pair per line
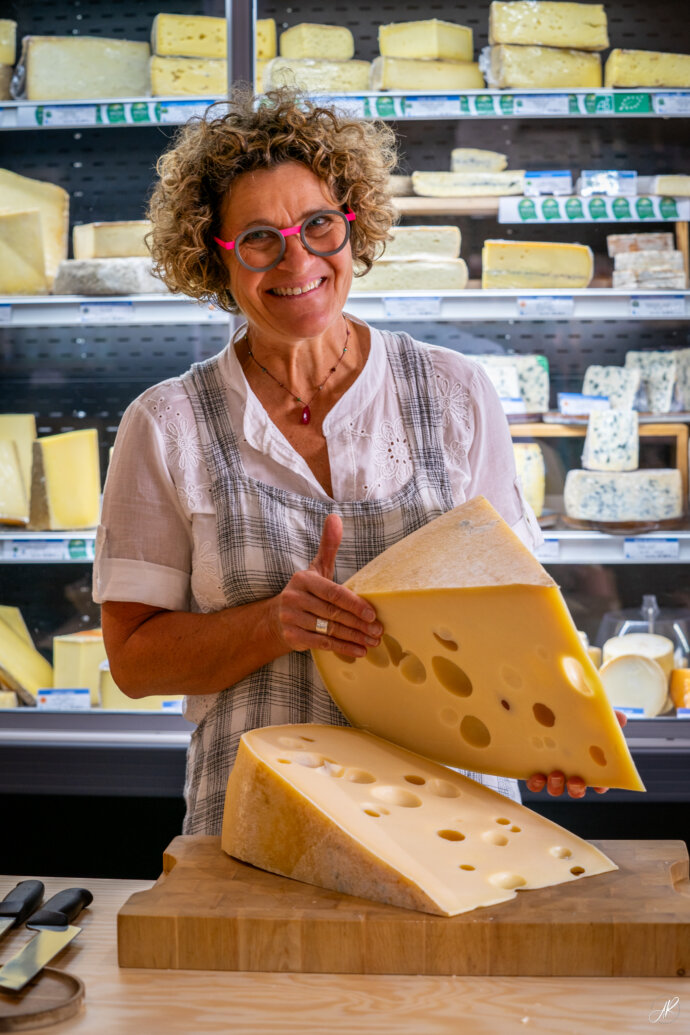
282, 292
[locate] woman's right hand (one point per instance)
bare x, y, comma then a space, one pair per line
312, 594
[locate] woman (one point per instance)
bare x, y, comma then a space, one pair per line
242, 494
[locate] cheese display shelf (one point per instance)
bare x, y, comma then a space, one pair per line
78, 310
116, 111
20, 547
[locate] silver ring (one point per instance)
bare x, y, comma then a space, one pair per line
322, 626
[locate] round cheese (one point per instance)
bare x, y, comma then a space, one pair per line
634, 681
649, 645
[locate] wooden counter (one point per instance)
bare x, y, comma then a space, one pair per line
165, 1002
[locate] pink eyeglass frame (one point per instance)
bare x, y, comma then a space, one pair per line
288, 231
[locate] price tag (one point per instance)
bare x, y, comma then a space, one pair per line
645, 306
513, 405
671, 103
64, 700
549, 306
550, 550
172, 706
106, 312
541, 104
641, 549
67, 115
31, 550
548, 181
632, 713
571, 404
431, 107
415, 307
683, 713
5, 315
175, 113
348, 103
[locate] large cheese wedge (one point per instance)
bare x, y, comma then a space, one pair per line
648, 645
329, 76
658, 369
111, 240
431, 38
188, 77
13, 617
8, 41
514, 67
424, 242
415, 275
468, 184
617, 384
646, 68
14, 497
22, 194
532, 377
650, 494
390, 73
531, 470
480, 665
184, 35
112, 698
76, 661
345, 810
22, 668
21, 427
612, 441
22, 259
65, 481
328, 42
536, 264
475, 159
74, 67
635, 681
265, 39
582, 26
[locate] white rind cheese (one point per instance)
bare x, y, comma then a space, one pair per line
130, 276
325, 42
116, 240
22, 259
391, 73
618, 244
473, 159
188, 77
342, 809
531, 470
675, 185
657, 377
183, 35
430, 39
75, 67
329, 76
423, 242
468, 184
548, 24
511, 67
618, 384
413, 275
648, 645
533, 377
646, 68
612, 441
23, 194
667, 260
536, 264
645, 495
634, 681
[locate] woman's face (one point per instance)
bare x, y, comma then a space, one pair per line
283, 197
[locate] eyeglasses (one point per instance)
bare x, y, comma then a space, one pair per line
260, 248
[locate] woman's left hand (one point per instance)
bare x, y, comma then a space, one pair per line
555, 782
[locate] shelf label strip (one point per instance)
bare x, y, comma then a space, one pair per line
639, 549
47, 549
595, 209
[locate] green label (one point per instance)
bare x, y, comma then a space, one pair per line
39, 114
597, 208
644, 208
484, 105
621, 208
637, 102
668, 208
550, 209
543, 362
573, 208
594, 103
385, 107
115, 113
527, 209
77, 549
464, 104
506, 104
140, 112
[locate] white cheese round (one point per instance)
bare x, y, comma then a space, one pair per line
634, 681
649, 645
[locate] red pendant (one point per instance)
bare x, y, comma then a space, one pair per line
306, 415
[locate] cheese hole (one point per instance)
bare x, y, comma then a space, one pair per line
451, 676
504, 704
559, 852
475, 732
310, 740
543, 714
359, 776
543, 653
348, 674
291, 742
507, 880
344, 657
371, 812
511, 677
493, 837
285, 761
449, 717
465, 866
378, 656
412, 669
575, 674
333, 769
394, 649
445, 638
397, 796
309, 760
549, 742
537, 742
418, 780
597, 755
503, 821
443, 789
577, 870
515, 830
451, 835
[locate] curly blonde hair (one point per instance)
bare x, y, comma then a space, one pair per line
353, 158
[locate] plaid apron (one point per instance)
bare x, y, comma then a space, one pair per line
266, 534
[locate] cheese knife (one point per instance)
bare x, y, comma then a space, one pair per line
20, 903
54, 933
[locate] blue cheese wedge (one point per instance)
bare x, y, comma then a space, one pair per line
531, 470
533, 377
474, 159
644, 495
657, 376
617, 384
612, 442
683, 377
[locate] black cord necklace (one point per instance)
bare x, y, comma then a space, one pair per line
305, 416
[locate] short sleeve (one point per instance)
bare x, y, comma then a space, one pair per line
144, 540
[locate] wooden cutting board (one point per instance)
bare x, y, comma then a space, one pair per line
208, 911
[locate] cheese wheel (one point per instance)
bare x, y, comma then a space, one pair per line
635, 681
648, 645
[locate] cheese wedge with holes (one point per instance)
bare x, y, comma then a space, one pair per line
536, 264
328, 42
266, 39
22, 668
345, 810
415, 275
22, 194
65, 481
76, 661
512, 67
22, 259
424, 242
188, 77
183, 35
549, 24
74, 67
392, 73
480, 665
116, 240
431, 38
8, 41
21, 427
646, 68
14, 499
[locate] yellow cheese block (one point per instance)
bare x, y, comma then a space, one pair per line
326, 42
536, 264
413, 275
14, 499
468, 184
184, 35
595, 655
110, 240
76, 661
345, 810
424, 242
315, 76
389, 73
75, 67
265, 39
8, 41
431, 38
474, 159
531, 470
22, 194
8, 699
65, 481
22, 668
22, 259
646, 68
581, 26
648, 645
680, 687
676, 185
480, 665
514, 67
13, 617
188, 77
22, 428
112, 698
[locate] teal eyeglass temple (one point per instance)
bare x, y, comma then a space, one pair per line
289, 231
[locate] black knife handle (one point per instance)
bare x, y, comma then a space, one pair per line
59, 910
22, 900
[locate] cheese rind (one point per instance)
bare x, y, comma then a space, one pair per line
23, 194
325, 42
531, 470
474, 159
344, 810
646, 68
266, 39
431, 38
657, 376
480, 665
188, 77
76, 661
536, 264
618, 384
612, 441
65, 481
75, 67
634, 681
22, 259
512, 67
644, 495
14, 499
548, 24
393, 73
532, 373
468, 184
424, 242
415, 275
183, 35
116, 240
131, 276
8, 41
329, 76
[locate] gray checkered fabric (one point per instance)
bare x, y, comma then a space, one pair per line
266, 534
